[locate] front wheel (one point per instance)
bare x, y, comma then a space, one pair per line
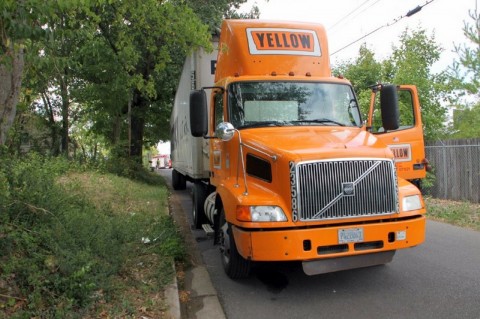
235, 266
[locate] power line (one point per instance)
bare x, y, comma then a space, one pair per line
356, 15
365, 9
408, 14
349, 14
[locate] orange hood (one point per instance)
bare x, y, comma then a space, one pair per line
316, 142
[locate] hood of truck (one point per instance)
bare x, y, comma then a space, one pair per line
316, 142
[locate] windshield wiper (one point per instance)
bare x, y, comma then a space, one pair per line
264, 123
321, 121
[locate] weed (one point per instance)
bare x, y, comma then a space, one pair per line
70, 238
462, 214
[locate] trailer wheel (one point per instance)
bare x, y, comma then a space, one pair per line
198, 198
179, 182
235, 266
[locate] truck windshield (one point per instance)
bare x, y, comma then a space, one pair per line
258, 104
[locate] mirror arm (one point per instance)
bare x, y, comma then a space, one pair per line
240, 159
214, 87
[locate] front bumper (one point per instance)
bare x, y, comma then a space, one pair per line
303, 244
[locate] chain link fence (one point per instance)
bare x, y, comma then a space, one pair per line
456, 165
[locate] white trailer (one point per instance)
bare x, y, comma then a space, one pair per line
189, 161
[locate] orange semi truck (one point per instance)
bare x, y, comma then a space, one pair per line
283, 166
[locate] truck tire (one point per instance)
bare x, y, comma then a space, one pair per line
235, 266
179, 182
198, 199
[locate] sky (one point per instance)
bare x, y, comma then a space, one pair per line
349, 20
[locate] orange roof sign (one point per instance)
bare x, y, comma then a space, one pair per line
260, 48
283, 41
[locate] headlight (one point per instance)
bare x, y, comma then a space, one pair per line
261, 214
411, 203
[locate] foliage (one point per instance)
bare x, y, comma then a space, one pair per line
23, 24
363, 72
429, 181
410, 63
67, 235
469, 54
110, 66
465, 73
212, 12
125, 167
139, 41
465, 122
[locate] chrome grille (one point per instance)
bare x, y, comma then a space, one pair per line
343, 189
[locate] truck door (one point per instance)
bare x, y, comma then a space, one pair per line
219, 160
406, 142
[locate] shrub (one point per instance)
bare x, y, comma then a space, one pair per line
60, 245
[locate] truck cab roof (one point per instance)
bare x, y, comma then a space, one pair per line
253, 47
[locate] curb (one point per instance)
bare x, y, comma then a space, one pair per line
203, 300
172, 299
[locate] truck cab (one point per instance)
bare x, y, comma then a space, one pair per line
295, 173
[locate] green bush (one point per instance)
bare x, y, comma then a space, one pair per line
429, 182
58, 249
129, 168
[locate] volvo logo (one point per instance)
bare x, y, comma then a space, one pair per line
348, 189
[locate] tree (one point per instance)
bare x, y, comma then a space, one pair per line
144, 45
112, 65
364, 72
53, 69
46, 31
469, 55
212, 12
465, 73
141, 40
16, 26
410, 63
465, 122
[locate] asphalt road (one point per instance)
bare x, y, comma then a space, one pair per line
439, 279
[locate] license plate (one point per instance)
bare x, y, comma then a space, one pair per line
350, 235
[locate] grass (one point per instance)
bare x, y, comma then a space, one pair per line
145, 271
78, 243
463, 214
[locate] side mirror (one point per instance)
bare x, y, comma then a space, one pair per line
389, 107
225, 131
198, 113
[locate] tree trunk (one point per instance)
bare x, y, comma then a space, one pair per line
137, 126
116, 130
51, 123
11, 69
65, 113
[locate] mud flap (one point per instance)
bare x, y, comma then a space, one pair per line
323, 266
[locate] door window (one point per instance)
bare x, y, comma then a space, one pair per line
406, 110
